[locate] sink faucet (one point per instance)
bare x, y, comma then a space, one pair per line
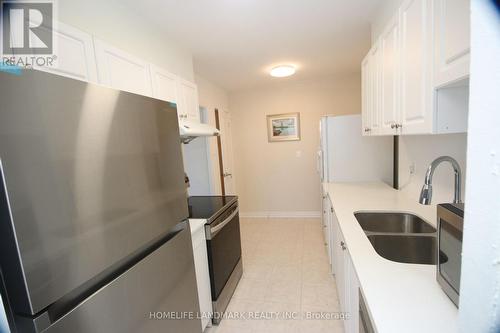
426, 193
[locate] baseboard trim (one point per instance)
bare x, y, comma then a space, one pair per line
283, 214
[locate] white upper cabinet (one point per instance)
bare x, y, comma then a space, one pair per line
169, 87
370, 72
74, 54
366, 103
187, 100
375, 94
452, 41
164, 84
412, 78
389, 78
120, 70
416, 67
83, 57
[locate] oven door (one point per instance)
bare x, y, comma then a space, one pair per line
450, 233
224, 248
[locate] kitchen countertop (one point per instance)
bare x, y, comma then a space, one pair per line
196, 224
400, 297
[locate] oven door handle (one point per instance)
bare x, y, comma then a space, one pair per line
215, 230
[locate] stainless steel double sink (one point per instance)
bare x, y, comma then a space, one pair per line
401, 237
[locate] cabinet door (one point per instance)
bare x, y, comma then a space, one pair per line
164, 84
340, 266
335, 250
334, 233
374, 92
325, 208
120, 70
366, 92
74, 54
452, 41
188, 107
340, 281
389, 81
326, 230
416, 67
352, 290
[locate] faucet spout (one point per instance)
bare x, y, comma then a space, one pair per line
426, 193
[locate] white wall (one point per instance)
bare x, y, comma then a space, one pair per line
480, 285
197, 163
123, 28
280, 178
212, 97
421, 150
382, 16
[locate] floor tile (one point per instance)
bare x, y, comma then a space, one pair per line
287, 285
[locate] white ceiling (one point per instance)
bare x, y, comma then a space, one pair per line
235, 42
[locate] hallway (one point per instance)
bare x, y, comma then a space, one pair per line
286, 284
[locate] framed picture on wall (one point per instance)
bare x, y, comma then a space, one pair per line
283, 127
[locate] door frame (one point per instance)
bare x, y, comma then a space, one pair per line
219, 151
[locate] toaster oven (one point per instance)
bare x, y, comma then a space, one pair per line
449, 261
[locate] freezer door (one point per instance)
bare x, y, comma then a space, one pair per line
89, 175
352, 157
156, 295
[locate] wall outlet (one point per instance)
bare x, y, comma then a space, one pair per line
413, 168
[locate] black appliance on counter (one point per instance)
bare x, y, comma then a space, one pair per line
222, 232
450, 234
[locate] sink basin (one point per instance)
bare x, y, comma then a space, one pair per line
406, 249
393, 223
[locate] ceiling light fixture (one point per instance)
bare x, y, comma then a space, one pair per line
282, 71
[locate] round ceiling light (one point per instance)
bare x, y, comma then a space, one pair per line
283, 71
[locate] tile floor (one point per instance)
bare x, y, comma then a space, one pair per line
286, 273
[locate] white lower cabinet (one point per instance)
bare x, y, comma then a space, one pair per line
346, 278
326, 225
202, 272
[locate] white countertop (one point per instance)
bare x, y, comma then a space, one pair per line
196, 224
400, 297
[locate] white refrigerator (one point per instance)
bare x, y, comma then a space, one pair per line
345, 155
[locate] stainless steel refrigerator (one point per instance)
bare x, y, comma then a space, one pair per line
93, 210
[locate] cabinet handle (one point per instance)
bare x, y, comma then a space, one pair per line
367, 129
331, 210
342, 245
393, 126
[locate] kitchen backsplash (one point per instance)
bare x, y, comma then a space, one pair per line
417, 152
